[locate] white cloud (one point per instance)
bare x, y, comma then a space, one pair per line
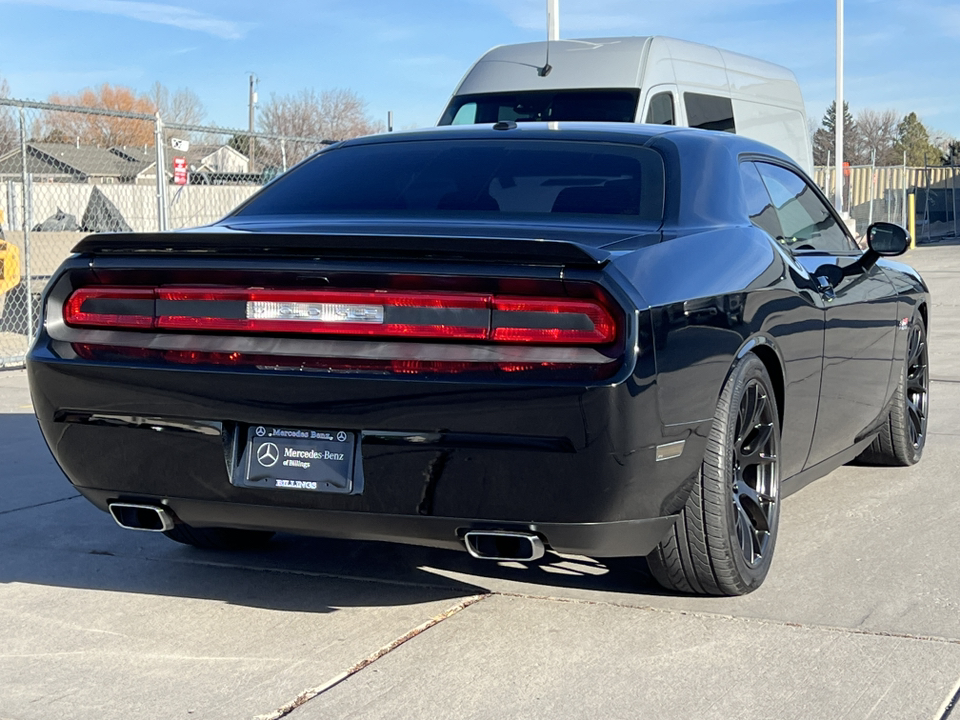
180, 17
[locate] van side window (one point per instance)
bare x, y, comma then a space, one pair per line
709, 112
806, 220
760, 209
660, 111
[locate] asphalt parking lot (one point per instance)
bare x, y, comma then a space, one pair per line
859, 617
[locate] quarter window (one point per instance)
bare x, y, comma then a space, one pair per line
709, 112
660, 111
806, 222
759, 207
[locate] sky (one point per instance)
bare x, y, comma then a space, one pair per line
407, 56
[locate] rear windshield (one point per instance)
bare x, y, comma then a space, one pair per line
544, 106
524, 178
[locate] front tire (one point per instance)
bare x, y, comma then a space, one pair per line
723, 541
904, 433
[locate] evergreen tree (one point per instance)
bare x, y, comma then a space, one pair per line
824, 139
914, 140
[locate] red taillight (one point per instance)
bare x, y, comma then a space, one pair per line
440, 315
111, 307
568, 322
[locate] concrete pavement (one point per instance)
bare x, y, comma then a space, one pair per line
859, 617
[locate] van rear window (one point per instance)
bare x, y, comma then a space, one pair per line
544, 106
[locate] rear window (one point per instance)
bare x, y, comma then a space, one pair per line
523, 178
544, 106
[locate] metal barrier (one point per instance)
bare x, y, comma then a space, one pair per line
66, 172
880, 193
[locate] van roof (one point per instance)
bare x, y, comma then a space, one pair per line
618, 62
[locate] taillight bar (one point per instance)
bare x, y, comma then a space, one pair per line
441, 315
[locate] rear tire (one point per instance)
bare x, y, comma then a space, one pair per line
723, 540
904, 433
216, 538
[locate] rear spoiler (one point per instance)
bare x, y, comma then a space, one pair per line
403, 247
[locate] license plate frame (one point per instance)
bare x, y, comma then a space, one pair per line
284, 458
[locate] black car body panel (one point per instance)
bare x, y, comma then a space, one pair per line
572, 455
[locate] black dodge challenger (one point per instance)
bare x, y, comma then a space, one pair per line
609, 340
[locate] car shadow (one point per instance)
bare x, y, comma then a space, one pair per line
56, 538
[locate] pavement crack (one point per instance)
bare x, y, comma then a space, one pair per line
311, 693
30, 507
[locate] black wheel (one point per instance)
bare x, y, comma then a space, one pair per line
723, 541
903, 435
215, 538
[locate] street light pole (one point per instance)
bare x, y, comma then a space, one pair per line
839, 115
553, 20
250, 141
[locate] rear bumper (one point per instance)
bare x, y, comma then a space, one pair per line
625, 538
574, 464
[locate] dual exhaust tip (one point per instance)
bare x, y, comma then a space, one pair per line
150, 518
481, 544
503, 545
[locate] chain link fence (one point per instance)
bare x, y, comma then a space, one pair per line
66, 172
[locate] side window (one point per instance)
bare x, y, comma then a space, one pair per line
805, 220
709, 112
759, 206
660, 111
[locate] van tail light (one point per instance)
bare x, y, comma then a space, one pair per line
478, 317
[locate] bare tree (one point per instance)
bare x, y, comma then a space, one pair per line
8, 125
182, 107
878, 133
329, 115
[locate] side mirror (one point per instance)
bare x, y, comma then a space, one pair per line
887, 240
883, 240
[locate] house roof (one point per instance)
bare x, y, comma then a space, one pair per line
73, 161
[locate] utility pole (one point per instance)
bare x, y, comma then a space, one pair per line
250, 143
553, 20
839, 115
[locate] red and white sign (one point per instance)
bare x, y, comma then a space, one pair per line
180, 170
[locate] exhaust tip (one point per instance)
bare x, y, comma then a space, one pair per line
502, 545
150, 518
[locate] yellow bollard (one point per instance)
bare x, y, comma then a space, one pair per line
912, 218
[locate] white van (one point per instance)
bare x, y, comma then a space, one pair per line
636, 79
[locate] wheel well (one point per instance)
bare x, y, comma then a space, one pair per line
768, 357
923, 313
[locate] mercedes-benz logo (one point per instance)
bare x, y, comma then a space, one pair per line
261, 431
342, 436
268, 454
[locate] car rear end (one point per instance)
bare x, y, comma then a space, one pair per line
421, 389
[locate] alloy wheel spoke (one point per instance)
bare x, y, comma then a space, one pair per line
745, 534
748, 414
752, 455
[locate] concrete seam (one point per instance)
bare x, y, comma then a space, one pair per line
31, 507
311, 693
949, 704
721, 616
